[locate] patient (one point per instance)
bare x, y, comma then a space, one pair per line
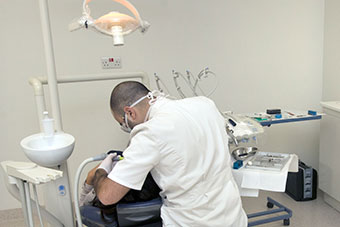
149, 191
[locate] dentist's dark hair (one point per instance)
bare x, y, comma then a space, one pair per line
126, 93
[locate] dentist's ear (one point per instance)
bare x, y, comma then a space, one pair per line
130, 111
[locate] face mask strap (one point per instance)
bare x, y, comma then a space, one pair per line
138, 101
126, 127
153, 95
126, 122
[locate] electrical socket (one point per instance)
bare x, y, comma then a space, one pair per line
111, 62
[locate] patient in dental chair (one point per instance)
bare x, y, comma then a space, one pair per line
149, 191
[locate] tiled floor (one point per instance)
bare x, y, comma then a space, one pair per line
314, 213
14, 218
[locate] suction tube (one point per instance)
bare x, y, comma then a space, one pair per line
76, 183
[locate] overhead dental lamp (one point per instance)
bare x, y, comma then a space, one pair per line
114, 24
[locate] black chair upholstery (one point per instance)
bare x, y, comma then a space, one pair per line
142, 214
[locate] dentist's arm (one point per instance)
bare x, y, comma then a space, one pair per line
107, 190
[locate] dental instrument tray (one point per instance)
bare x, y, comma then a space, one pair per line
285, 116
267, 161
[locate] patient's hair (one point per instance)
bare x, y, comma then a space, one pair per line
126, 93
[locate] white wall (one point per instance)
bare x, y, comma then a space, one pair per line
266, 53
331, 71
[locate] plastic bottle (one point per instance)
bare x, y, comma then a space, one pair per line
48, 125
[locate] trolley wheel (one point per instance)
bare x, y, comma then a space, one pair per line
270, 205
286, 222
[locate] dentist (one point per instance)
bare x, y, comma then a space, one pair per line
183, 143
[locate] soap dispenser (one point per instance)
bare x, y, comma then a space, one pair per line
48, 125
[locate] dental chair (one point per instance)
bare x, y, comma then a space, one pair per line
142, 214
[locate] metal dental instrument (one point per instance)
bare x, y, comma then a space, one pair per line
193, 82
190, 75
159, 82
230, 133
204, 74
157, 79
175, 77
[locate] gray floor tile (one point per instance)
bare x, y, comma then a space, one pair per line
314, 213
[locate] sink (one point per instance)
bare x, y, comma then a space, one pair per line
48, 151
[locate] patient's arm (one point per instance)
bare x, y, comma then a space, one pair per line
90, 175
107, 190
87, 194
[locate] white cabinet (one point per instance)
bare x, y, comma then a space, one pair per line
329, 159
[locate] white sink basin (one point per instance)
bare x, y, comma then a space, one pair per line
48, 151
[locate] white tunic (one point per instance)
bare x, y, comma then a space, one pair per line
185, 146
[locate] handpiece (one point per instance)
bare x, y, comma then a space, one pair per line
117, 158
